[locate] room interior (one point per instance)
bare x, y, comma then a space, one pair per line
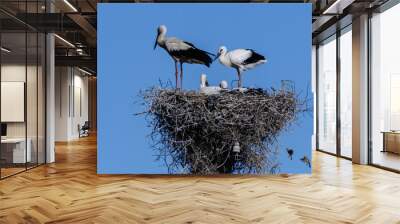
48, 92
22, 102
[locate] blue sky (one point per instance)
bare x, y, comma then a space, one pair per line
127, 63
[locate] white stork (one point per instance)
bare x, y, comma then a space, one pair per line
206, 89
181, 52
223, 84
240, 59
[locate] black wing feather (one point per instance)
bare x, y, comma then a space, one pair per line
192, 45
255, 57
193, 54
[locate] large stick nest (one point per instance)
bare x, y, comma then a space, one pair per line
196, 133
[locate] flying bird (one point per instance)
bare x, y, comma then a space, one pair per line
290, 153
181, 52
274, 169
306, 161
239, 59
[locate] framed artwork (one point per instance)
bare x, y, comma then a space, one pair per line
204, 89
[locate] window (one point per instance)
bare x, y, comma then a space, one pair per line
327, 95
346, 92
22, 88
385, 89
333, 137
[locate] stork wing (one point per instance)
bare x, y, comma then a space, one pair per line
187, 52
174, 44
199, 49
238, 56
190, 44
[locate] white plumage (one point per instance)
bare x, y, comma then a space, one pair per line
240, 59
209, 90
181, 52
223, 84
203, 81
174, 44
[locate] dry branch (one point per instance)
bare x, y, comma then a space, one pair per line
196, 133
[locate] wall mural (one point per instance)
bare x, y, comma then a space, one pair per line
204, 88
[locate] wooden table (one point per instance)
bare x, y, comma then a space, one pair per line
391, 141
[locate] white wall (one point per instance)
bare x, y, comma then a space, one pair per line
80, 110
9, 73
62, 82
33, 127
71, 102
17, 73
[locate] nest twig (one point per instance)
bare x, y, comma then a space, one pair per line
196, 133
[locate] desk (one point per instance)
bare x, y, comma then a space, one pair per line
15, 148
391, 141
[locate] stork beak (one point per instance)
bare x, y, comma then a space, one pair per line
216, 57
155, 44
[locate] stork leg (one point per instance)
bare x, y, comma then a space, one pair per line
239, 78
176, 75
181, 75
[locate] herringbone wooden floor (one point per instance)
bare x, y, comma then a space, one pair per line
70, 191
